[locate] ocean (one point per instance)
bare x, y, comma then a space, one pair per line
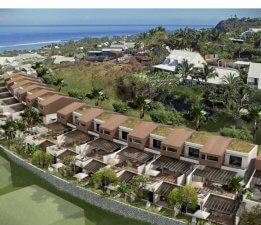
33, 36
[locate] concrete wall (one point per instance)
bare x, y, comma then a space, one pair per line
93, 198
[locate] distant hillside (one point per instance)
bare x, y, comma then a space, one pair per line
238, 25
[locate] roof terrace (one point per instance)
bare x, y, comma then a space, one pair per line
162, 130
240, 146
199, 138
82, 110
131, 123
105, 116
46, 95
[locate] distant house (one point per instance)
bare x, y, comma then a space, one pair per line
254, 75
222, 72
29, 57
79, 56
245, 35
58, 59
177, 56
122, 45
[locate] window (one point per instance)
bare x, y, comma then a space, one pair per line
61, 116
124, 135
193, 152
172, 149
136, 141
164, 148
203, 156
156, 143
106, 132
235, 161
212, 158
97, 127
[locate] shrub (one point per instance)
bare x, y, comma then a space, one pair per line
41, 159
104, 177
167, 117
242, 134
120, 107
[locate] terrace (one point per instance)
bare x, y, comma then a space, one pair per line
16, 108
162, 193
75, 138
221, 209
132, 157
126, 176
256, 186
10, 101
3, 89
5, 95
210, 180
58, 128
101, 147
66, 153
93, 166
168, 169
46, 96
45, 144
83, 110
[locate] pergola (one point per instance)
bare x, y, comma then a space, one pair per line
214, 175
126, 176
58, 128
94, 166
77, 137
220, 204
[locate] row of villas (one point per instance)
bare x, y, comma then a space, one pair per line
170, 157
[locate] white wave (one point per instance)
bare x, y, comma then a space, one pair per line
33, 43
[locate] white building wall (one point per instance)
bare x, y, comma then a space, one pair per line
50, 118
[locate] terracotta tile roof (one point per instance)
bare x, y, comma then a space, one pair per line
177, 137
216, 145
114, 122
143, 130
90, 115
70, 108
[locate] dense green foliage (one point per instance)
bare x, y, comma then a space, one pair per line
236, 133
41, 159
251, 217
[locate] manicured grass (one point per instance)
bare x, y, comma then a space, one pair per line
21, 178
33, 203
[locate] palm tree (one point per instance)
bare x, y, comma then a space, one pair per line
10, 128
59, 82
31, 117
185, 69
232, 85
198, 114
207, 72
97, 94
142, 103
124, 188
254, 114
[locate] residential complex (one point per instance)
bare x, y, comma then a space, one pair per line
169, 157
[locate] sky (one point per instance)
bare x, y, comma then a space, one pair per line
121, 16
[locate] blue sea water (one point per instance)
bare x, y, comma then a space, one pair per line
29, 37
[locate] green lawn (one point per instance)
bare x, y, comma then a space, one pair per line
25, 199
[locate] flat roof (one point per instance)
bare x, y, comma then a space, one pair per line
199, 138
40, 93
177, 137
70, 108
114, 122
105, 116
29, 88
90, 115
143, 130
240, 146
21, 83
216, 145
83, 109
51, 99
131, 123
162, 130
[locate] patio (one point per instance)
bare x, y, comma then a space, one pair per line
76, 137
101, 147
170, 169
5, 95
45, 144
16, 108
58, 128
10, 101
134, 157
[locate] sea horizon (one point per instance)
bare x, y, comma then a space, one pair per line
29, 37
